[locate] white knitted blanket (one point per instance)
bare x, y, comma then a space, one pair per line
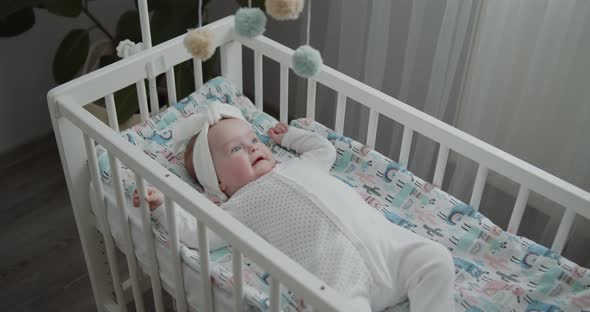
289, 219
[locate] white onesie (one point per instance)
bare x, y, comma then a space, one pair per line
327, 227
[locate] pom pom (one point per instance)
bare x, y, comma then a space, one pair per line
306, 61
198, 43
284, 9
250, 22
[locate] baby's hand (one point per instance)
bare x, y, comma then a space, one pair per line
154, 197
278, 132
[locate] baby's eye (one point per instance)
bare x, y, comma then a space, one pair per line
255, 140
236, 149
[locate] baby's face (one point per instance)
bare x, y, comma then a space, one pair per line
238, 156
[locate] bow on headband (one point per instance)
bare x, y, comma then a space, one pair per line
198, 124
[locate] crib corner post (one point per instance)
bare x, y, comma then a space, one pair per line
73, 160
231, 63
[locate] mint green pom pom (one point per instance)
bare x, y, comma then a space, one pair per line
306, 61
250, 22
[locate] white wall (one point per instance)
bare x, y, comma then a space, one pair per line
26, 70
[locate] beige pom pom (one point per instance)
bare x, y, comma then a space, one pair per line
198, 42
284, 9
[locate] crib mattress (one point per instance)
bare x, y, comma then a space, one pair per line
495, 270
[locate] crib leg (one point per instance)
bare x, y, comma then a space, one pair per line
73, 159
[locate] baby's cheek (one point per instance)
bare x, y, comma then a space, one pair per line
267, 152
242, 167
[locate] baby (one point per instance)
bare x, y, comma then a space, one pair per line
314, 218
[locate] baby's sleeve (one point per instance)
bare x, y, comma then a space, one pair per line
310, 146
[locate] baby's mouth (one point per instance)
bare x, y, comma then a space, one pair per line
259, 158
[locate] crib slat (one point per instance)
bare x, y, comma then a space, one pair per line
275, 295
231, 63
441, 165
311, 90
237, 261
284, 115
258, 79
154, 102
112, 112
129, 250
142, 100
149, 239
198, 72
340, 112
171, 86
518, 211
181, 304
480, 182
563, 231
205, 269
105, 227
372, 128
404, 154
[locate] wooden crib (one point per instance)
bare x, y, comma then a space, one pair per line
77, 132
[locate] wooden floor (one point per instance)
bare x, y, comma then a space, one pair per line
42, 267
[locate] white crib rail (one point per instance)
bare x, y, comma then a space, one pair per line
284, 94
152, 260
340, 112
105, 227
258, 94
129, 249
576, 200
372, 128
277, 264
311, 91
404, 154
74, 127
480, 181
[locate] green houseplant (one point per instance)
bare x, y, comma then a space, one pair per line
168, 19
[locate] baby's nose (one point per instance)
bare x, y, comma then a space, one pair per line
253, 148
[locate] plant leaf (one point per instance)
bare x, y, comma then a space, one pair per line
107, 60
67, 8
9, 7
17, 23
128, 27
171, 21
71, 55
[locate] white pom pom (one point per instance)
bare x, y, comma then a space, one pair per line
284, 9
199, 43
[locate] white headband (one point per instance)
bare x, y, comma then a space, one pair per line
198, 124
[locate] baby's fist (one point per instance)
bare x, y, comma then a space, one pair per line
278, 132
154, 197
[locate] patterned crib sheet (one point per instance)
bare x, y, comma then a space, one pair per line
495, 270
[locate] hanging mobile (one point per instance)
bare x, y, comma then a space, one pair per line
250, 22
284, 9
307, 61
198, 41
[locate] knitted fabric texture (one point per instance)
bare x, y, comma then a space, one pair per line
277, 210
